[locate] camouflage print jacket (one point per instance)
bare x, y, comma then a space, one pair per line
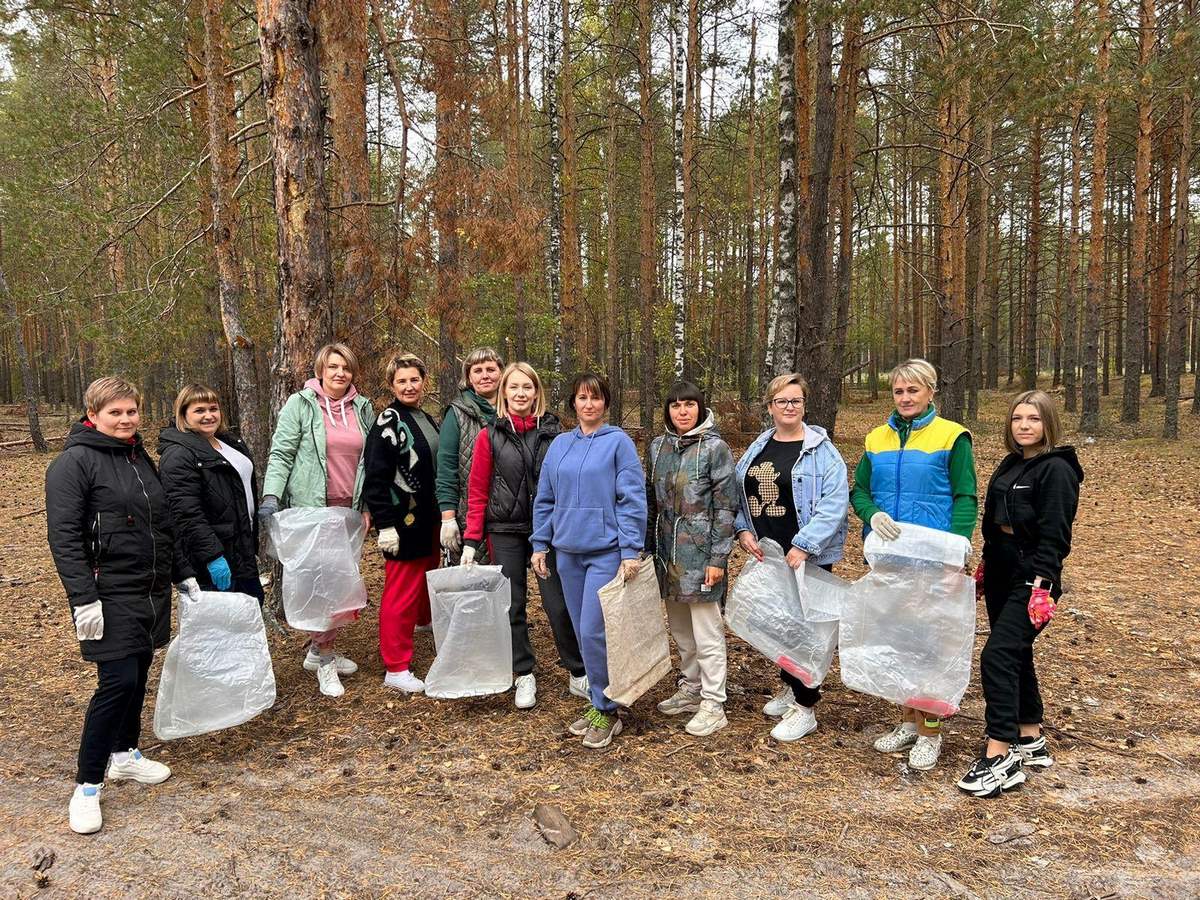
693, 497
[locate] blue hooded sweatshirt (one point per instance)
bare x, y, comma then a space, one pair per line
591, 496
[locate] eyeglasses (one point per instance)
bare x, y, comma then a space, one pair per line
784, 403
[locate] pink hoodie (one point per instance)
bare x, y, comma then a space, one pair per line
343, 443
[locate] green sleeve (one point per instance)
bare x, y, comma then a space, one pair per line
860, 494
965, 511
447, 463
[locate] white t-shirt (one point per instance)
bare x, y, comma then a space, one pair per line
245, 468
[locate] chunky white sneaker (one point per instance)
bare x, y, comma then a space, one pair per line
137, 768
924, 754
404, 681
710, 718
796, 723
85, 809
899, 738
1033, 752
312, 662
526, 694
992, 775
327, 678
779, 704
578, 685
682, 701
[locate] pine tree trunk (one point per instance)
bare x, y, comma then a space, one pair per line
1160, 303
748, 304
786, 298
572, 321
612, 346
550, 86
680, 146
983, 259
1071, 307
1029, 343
1089, 419
1177, 334
28, 381
647, 287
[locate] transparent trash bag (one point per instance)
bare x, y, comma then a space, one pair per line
319, 548
908, 626
471, 632
217, 672
767, 609
635, 632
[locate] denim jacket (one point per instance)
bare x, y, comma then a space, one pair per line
821, 492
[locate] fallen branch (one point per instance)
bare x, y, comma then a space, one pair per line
28, 514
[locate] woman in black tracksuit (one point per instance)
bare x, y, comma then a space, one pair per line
210, 483
1027, 518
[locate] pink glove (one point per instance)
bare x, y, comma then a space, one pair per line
1041, 607
979, 581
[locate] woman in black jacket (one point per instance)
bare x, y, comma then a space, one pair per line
109, 528
209, 479
1027, 518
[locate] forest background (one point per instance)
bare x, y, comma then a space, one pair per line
208, 190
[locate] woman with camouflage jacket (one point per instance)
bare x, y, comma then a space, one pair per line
693, 498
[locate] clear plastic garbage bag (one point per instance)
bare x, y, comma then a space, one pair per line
766, 609
471, 632
217, 672
908, 626
319, 548
635, 631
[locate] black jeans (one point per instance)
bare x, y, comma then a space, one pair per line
805, 695
113, 722
1010, 685
512, 553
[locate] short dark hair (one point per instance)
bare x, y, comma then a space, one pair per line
682, 390
594, 384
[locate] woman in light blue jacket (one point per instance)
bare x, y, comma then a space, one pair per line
794, 491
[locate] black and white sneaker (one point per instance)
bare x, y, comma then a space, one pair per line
1033, 751
992, 775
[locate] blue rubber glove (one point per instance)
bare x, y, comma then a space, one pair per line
218, 571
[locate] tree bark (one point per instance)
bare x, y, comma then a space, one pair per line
572, 322
1177, 333
786, 298
749, 306
681, 145
648, 257
28, 381
1089, 419
1071, 306
1029, 343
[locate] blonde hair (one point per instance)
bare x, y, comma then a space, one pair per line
779, 382
322, 359
404, 360
522, 368
915, 371
195, 393
474, 358
109, 389
1051, 425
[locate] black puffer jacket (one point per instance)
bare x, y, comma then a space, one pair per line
110, 532
1041, 505
208, 502
516, 465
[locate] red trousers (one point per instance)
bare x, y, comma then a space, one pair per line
404, 603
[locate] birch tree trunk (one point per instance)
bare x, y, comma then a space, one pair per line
748, 301
648, 257
786, 300
682, 135
572, 269
554, 250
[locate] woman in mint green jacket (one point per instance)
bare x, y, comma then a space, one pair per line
316, 459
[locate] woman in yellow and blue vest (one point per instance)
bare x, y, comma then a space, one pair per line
918, 468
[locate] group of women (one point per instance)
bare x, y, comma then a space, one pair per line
498, 480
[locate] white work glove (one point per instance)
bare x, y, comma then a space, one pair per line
89, 621
468, 556
451, 537
191, 587
885, 526
389, 540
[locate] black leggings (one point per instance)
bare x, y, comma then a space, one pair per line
805, 695
113, 722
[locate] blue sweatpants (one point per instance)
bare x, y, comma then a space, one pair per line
582, 576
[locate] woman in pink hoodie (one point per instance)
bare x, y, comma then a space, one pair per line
316, 459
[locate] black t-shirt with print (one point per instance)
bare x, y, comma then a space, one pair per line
768, 486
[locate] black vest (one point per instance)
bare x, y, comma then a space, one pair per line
516, 464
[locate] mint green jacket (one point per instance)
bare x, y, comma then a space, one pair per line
296, 463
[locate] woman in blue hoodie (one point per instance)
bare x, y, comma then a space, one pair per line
591, 508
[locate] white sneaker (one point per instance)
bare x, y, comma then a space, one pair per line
526, 693
899, 738
327, 678
404, 681
796, 723
779, 704
578, 685
428, 627
710, 718
924, 754
137, 768
85, 809
312, 662
682, 701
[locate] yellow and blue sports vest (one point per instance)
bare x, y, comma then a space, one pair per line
911, 482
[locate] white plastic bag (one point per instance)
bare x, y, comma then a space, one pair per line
217, 672
908, 626
319, 548
766, 610
471, 631
635, 633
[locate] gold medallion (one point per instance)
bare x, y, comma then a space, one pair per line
409, 519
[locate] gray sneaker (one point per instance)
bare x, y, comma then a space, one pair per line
580, 726
682, 701
899, 738
605, 727
710, 718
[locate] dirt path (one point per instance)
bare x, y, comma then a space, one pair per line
378, 795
